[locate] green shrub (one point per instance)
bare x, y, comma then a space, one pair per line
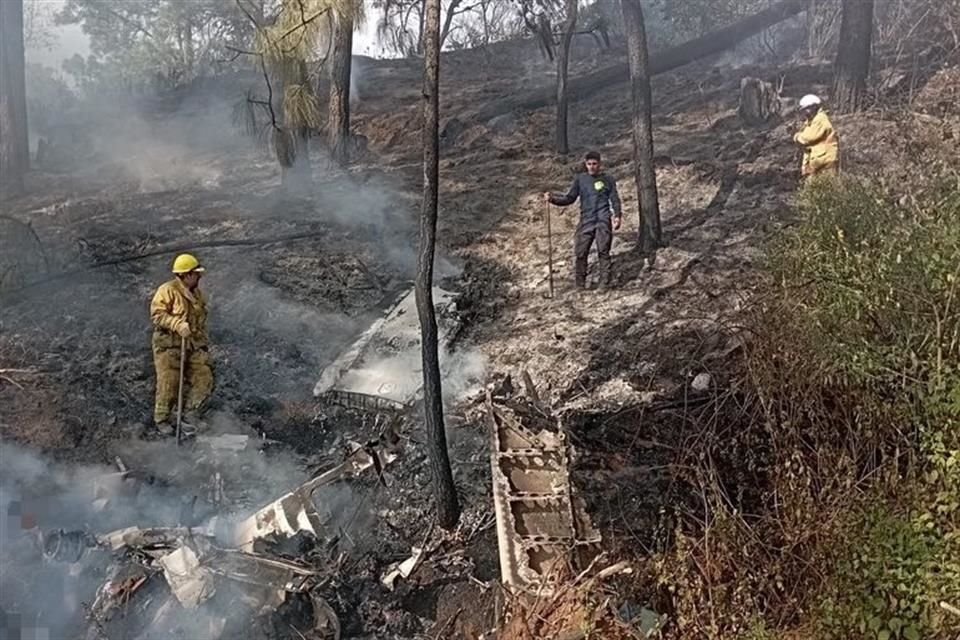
849, 408
862, 363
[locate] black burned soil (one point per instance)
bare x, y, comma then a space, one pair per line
292, 282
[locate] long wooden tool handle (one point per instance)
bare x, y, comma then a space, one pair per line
183, 359
549, 249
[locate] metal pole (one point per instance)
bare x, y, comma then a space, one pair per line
183, 359
549, 250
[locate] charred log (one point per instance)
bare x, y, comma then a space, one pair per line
710, 44
759, 101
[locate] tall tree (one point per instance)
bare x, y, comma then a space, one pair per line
283, 45
14, 145
339, 116
563, 63
140, 43
401, 23
445, 492
645, 172
853, 55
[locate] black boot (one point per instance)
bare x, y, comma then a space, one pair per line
606, 281
580, 273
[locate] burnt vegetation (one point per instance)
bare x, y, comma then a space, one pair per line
420, 428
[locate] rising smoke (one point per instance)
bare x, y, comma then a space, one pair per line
172, 488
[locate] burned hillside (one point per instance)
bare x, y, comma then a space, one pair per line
627, 462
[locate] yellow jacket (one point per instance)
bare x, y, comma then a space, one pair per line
172, 305
820, 141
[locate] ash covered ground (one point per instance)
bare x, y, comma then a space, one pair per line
292, 281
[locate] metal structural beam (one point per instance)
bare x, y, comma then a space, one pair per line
542, 524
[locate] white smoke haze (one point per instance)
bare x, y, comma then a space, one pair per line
255, 305
38, 495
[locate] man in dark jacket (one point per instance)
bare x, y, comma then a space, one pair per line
600, 216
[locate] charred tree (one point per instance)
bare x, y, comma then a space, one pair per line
296, 174
422, 18
339, 116
448, 19
445, 492
651, 237
707, 45
14, 145
853, 55
563, 63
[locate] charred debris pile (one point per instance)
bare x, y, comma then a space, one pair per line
350, 551
315, 562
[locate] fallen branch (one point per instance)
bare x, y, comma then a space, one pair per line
446, 624
946, 606
5, 375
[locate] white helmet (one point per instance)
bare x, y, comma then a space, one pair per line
809, 100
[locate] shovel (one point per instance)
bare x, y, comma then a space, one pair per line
183, 358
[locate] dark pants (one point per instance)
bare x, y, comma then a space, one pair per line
587, 232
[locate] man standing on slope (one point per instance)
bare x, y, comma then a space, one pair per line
600, 216
179, 313
820, 142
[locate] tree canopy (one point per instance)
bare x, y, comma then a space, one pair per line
168, 41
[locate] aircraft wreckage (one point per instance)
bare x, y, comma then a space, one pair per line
212, 568
540, 519
220, 566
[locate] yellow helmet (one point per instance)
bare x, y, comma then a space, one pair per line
185, 263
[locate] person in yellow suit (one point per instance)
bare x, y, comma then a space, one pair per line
179, 313
820, 142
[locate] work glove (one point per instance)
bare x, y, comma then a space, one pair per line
183, 329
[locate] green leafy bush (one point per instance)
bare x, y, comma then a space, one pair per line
860, 367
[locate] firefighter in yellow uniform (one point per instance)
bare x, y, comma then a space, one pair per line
179, 315
820, 142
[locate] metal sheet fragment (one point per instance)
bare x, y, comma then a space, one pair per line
382, 368
191, 583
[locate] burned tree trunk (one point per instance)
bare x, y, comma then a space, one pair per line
14, 146
445, 492
339, 116
853, 55
448, 20
707, 45
296, 174
422, 16
651, 237
563, 63
759, 101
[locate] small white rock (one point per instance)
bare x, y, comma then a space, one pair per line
701, 382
